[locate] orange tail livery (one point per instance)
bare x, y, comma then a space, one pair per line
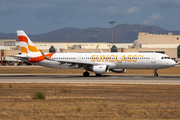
26, 45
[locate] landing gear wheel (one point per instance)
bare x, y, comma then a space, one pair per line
155, 73
86, 74
98, 75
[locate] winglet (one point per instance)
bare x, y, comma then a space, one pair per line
44, 56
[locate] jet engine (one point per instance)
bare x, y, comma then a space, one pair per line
100, 69
118, 70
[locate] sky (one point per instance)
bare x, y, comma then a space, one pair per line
42, 16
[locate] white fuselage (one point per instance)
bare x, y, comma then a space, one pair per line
112, 60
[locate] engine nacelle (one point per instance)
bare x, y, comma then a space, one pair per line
118, 70
100, 69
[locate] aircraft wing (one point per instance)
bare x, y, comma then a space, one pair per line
76, 62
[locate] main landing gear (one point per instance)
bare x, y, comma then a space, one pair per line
97, 75
155, 73
86, 74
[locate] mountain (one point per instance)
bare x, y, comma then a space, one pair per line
124, 33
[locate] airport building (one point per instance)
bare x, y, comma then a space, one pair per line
168, 44
163, 43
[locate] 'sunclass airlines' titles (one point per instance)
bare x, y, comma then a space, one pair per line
114, 58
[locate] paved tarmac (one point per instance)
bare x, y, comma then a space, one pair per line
114, 79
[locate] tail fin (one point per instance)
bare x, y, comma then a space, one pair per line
26, 44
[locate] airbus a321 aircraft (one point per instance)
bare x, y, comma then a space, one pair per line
99, 63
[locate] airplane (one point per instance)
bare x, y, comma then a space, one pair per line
100, 63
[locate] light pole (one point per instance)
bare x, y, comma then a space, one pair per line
112, 22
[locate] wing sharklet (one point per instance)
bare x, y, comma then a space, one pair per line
44, 56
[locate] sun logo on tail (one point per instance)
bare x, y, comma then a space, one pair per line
25, 43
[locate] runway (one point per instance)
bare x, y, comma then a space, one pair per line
108, 79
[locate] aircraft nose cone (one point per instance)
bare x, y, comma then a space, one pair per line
172, 63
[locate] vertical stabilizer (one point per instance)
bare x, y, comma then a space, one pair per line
26, 44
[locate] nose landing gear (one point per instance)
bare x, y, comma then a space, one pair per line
155, 73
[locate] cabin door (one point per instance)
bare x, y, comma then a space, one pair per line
153, 58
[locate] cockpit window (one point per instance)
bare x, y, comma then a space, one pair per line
165, 58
